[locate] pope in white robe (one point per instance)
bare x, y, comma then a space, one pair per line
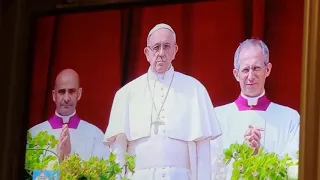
74, 134
164, 118
252, 117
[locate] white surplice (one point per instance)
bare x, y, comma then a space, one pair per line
86, 139
281, 134
181, 148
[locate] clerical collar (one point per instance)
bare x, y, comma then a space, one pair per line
165, 78
260, 103
56, 121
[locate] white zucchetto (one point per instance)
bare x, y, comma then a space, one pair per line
161, 26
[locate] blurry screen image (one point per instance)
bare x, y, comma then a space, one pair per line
46, 175
180, 91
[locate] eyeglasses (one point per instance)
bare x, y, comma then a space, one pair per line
255, 69
157, 47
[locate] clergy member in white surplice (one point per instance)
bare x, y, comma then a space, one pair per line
74, 134
252, 117
163, 117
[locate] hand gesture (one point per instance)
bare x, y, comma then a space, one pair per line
64, 144
253, 137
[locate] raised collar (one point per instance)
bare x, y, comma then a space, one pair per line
259, 103
163, 78
56, 121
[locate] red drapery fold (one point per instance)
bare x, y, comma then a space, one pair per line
258, 19
208, 33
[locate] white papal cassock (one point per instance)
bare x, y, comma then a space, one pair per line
86, 139
181, 148
281, 134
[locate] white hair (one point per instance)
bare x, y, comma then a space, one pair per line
161, 26
251, 42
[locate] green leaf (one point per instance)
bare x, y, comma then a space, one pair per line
72, 168
262, 166
112, 157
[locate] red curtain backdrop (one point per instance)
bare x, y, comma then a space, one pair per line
106, 49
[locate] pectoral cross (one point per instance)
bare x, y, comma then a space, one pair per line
156, 125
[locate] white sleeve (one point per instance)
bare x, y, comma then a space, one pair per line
203, 160
218, 167
100, 150
119, 148
292, 145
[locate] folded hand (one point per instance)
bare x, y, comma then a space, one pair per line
64, 144
253, 137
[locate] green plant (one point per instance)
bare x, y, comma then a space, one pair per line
262, 166
73, 167
36, 152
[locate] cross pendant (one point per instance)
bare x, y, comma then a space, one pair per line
156, 125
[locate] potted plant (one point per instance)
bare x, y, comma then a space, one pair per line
73, 167
261, 166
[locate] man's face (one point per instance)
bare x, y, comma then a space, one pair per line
66, 94
252, 72
161, 50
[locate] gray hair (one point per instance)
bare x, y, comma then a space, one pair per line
251, 42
